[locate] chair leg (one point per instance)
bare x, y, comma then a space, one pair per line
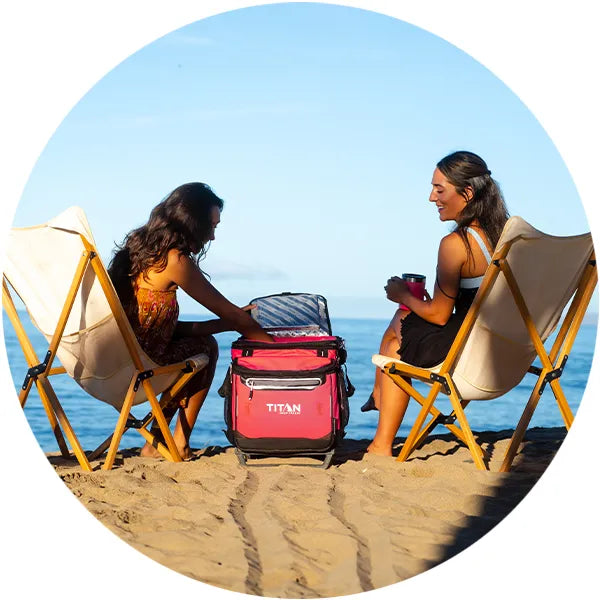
412, 392
453, 429
54, 425
456, 431
24, 393
410, 442
429, 427
46, 389
474, 448
120, 427
149, 437
521, 428
152, 440
106, 443
162, 422
563, 405
99, 451
165, 399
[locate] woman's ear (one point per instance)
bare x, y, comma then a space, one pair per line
469, 193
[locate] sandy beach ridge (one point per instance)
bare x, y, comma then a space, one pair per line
295, 531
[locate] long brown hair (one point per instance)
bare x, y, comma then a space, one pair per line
182, 221
467, 171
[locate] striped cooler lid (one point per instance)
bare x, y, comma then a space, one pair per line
292, 314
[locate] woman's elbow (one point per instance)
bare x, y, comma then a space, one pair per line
440, 319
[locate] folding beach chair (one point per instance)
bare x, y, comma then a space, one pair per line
56, 271
528, 284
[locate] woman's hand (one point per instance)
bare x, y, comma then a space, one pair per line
248, 307
396, 289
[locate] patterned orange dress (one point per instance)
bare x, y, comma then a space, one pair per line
154, 320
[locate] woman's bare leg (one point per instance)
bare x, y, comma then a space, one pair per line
196, 390
394, 402
390, 399
389, 337
388, 347
186, 421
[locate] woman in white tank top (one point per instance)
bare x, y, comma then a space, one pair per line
463, 191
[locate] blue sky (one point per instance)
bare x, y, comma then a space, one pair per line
320, 127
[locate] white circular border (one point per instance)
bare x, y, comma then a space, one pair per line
54, 52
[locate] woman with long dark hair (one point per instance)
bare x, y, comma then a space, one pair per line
463, 191
153, 261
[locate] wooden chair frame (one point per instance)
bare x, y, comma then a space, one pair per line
553, 364
39, 373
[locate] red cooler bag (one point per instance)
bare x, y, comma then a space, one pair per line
288, 397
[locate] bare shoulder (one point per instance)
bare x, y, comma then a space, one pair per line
452, 243
180, 264
452, 253
183, 271
178, 260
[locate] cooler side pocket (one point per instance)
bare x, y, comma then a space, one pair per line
225, 391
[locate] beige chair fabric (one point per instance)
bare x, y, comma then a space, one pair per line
40, 265
499, 350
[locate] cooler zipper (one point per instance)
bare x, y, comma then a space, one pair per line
329, 344
318, 373
262, 383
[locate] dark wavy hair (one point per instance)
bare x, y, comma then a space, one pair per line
467, 171
182, 221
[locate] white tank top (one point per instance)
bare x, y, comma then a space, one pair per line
475, 282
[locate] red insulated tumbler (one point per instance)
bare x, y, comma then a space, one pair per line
416, 285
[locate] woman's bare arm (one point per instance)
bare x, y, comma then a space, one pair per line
209, 327
186, 274
452, 255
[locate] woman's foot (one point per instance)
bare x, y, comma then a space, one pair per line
369, 405
185, 452
373, 448
149, 451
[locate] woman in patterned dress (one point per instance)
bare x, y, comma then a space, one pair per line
148, 268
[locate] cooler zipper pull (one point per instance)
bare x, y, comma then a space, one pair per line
251, 389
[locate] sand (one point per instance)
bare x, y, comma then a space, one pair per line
295, 531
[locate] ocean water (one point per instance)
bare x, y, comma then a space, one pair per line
93, 421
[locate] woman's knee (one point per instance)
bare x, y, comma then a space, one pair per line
390, 347
203, 378
387, 336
